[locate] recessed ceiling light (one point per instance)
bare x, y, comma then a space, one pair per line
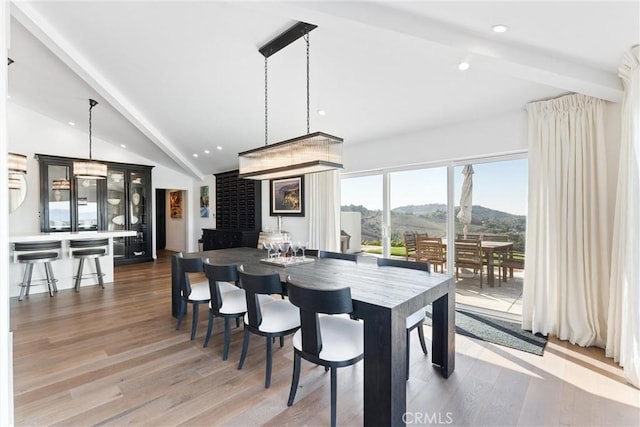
8, 96
195, 154
123, 146
71, 124
463, 66
218, 148
322, 112
500, 28
206, 151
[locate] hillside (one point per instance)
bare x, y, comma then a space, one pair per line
432, 219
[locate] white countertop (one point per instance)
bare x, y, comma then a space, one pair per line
43, 237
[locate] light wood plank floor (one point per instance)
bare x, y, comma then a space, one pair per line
113, 357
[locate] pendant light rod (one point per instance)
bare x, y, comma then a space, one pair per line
298, 30
92, 103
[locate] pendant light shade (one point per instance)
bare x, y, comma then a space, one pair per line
90, 169
311, 153
17, 163
316, 152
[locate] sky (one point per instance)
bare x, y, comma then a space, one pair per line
497, 185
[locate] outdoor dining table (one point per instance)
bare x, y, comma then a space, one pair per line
490, 249
383, 297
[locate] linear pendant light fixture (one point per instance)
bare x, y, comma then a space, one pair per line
310, 153
89, 169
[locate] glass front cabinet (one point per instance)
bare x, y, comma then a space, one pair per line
120, 202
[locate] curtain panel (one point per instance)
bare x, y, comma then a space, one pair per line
323, 195
567, 269
623, 328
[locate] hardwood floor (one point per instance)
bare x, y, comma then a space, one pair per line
113, 357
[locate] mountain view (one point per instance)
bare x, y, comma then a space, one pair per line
432, 219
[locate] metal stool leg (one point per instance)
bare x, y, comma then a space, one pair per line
79, 276
54, 281
26, 281
49, 278
99, 271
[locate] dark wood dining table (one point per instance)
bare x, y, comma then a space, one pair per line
383, 297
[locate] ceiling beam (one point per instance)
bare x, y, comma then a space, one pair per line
519, 61
54, 41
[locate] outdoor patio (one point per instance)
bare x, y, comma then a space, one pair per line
503, 300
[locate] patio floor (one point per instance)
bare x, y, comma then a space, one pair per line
504, 300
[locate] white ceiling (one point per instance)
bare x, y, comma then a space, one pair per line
175, 78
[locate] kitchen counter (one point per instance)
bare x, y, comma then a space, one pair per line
66, 267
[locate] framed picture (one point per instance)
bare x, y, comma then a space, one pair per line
175, 204
204, 201
287, 196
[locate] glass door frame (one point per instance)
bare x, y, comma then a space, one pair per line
451, 166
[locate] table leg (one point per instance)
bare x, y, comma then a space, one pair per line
490, 274
385, 390
443, 346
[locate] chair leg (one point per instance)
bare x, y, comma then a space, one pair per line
99, 272
423, 343
182, 310
245, 346
227, 338
29, 279
281, 341
194, 321
295, 379
267, 375
209, 329
408, 332
237, 322
79, 276
334, 392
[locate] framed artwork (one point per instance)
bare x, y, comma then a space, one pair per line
175, 204
204, 201
287, 196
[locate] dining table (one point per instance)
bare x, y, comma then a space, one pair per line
490, 249
383, 297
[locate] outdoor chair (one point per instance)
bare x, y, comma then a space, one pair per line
431, 250
469, 255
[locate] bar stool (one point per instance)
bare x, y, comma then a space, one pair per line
86, 249
34, 254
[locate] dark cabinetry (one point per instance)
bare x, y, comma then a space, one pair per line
129, 208
238, 213
238, 202
223, 239
120, 202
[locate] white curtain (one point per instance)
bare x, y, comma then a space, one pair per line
567, 269
323, 195
623, 328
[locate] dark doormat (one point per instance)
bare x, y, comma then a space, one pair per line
497, 331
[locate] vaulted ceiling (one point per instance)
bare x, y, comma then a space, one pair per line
178, 78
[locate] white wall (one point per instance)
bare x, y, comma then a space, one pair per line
351, 223
198, 222
501, 134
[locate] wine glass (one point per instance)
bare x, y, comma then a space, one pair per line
285, 248
303, 246
267, 246
295, 247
